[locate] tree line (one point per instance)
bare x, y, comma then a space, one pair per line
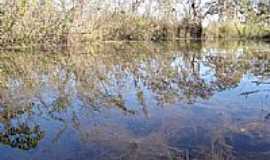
54, 22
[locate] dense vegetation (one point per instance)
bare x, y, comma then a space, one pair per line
49, 23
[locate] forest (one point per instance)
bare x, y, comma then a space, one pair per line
58, 23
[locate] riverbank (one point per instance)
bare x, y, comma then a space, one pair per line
52, 30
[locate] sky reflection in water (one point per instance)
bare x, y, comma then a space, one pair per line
137, 101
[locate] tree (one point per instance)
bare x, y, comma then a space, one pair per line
196, 13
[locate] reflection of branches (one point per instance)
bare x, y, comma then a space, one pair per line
50, 113
120, 104
59, 133
76, 125
111, 80
249, 93
253, 92
141, 99
260, 82
165, 74
98, 78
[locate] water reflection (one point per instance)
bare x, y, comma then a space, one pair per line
137, 101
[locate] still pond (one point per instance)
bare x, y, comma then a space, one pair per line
137, 101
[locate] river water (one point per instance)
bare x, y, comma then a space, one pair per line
134, 101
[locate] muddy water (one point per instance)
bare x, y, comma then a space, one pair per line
176, 101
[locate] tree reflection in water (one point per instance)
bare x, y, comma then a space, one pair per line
114, 94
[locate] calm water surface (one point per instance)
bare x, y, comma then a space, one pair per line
133, 101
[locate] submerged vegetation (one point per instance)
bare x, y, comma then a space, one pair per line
50, 23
